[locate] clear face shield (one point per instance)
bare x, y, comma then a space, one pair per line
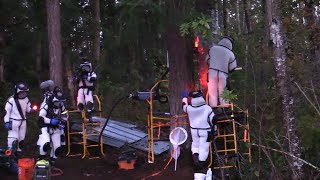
85, 68
22, 94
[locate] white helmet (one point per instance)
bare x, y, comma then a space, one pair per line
21, 90
86, 66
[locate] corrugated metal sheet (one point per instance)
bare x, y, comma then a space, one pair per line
158, 146
118, 134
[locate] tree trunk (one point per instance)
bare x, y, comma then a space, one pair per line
225, 17
246, 9
310, 19
180, 71
54, 40
2, 45
1, 68
180, 59
238, 16
97, 29
70, 84
280, 57
266, 20
38, 57
215, 23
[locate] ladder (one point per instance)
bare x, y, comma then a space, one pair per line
229, 141
89, 129
158, 120
152, 124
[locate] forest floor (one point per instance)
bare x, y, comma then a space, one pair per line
107, 168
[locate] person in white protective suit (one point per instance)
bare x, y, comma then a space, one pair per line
52, 118
47, 88
221, 61
15, 117
201, 118
85, 79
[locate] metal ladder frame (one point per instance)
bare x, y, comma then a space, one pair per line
85, 124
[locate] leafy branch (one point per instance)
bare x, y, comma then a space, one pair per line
229, 95
200, 25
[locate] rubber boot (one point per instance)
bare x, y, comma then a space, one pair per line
199, 176
18, 154
52, 161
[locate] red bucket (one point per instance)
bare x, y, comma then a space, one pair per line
26, 166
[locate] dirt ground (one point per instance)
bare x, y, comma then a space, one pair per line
107, 168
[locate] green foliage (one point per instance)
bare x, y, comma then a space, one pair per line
200, 25
229, 95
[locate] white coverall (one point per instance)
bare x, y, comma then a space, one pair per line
44, 103
221, 61
85, 90
200, 118
19, 124
50, 136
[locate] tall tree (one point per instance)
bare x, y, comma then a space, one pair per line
96, 29
310, 22
180, 59
246, 9
2, 44
277, 36
54, 40
238, 16
215, 21
225, 16
38, 57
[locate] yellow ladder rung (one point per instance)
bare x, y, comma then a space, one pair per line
225, 105
72, 155
225, 121
92, 134
93, 123
226, 150
76, 143
72, 133
160, 118
92, 145
227, 135
224, 167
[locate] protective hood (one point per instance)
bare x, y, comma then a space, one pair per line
21, 90
226, 42
47, 86
58, 98
86, 67
198, 101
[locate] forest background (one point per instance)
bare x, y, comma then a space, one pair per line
130, 43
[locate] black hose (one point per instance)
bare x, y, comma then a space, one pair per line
108, 118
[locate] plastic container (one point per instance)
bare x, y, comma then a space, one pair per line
209, 174
42, 170
25, 168
127, 160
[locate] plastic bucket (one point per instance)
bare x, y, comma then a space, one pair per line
25, 168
